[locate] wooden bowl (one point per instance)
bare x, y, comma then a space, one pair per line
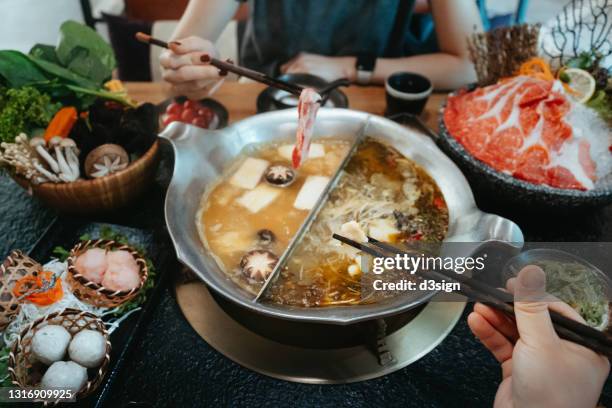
98, 195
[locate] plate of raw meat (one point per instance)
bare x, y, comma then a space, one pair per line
528, 140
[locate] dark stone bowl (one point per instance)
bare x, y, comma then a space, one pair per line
518, 194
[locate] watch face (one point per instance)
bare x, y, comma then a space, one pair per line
365, 62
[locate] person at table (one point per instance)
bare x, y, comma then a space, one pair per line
363, 40
538, 368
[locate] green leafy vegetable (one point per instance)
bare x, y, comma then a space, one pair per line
84, 52
17, 69
23, 110
72, 73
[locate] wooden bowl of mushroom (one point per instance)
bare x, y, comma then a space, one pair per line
108, 157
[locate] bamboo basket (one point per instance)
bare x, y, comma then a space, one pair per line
15, 266
98, 195
25, 372
94, 293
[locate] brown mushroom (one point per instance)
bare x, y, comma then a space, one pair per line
279, 176
106, 159
258, 264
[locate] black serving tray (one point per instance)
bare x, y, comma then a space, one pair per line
66, 233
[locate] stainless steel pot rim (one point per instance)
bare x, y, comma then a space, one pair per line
467, 223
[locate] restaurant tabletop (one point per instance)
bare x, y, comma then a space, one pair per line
172, 366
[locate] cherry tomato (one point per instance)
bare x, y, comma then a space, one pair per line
174, 109
188, 115
200, 121
190, 104
170, 118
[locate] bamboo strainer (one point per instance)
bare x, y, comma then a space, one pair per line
27, 373
15, 266
94, 293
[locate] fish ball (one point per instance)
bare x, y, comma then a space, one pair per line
87, 348
49, 343
65, 375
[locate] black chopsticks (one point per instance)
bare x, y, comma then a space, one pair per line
228, 66
566, 328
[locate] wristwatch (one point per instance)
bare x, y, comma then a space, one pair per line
365, 68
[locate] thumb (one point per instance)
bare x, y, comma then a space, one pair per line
531, 309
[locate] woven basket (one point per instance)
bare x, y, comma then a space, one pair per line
94, 293
26, 373
15, 266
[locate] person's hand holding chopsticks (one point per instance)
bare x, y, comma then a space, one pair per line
538, 368
182, 67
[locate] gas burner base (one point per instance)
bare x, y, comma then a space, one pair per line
313, 366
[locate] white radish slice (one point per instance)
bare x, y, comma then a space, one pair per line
352, 230
249, 173
310, 192
258, 198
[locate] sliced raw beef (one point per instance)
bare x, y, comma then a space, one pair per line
518, 126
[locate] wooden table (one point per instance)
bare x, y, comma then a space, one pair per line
240, 98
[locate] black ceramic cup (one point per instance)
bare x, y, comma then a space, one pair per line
407, 92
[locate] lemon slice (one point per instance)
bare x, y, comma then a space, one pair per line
581, 83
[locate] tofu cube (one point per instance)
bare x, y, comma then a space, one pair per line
316, 150
258, 198
249, 173
310, 192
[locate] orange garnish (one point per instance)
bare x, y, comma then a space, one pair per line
537, 68
31, 283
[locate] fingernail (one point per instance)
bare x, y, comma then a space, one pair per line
532, 278
205, 58
175, 43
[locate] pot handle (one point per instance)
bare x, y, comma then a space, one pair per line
480, 229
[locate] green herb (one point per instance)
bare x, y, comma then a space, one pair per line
72, 73
61, 253
23, 110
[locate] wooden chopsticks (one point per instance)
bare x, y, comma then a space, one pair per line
228, 66
566, 328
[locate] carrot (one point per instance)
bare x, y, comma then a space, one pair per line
536, 67
62, 123
31, 283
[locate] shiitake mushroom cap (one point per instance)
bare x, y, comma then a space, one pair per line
258, 264
279, 175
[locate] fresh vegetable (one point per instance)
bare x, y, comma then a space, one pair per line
190, 112
134, 129
43, 290
23, 110
62, 123
73, 73
5, 378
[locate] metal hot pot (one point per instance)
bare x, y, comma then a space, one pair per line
202, 155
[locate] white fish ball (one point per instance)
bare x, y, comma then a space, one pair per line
65, 375
88, 348
49, 343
